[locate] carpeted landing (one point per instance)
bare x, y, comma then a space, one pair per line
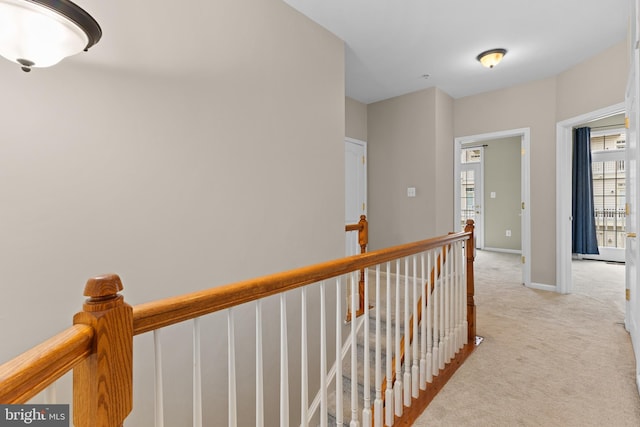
547, 359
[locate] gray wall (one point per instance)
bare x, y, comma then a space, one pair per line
177, 185
596, 83
502, 177
444, 221
529, 105
410, 145
355, 119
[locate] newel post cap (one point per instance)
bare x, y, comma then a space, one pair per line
103, 293
104, 286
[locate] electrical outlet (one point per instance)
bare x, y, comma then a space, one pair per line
411, 192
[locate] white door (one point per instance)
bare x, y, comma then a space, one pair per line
632, 224
355, 161
632, 253
471, 193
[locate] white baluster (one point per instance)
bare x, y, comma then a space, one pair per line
415, 369
447, 307
354, 352
259, 368
458, 298
430, 286
197, 375
407, 336
339, 390
304, 373
441, 311
377, 404
231, 366
388, 398
366, 409
284, 364
323, 355
454, 303
397, 387
436, 313
463, 294
159, 401
424, 282
465, 324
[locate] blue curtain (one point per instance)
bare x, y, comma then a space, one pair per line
584, 224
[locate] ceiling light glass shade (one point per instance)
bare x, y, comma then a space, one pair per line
492, 57
40, 33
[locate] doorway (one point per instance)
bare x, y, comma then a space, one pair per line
564, 132
522, 207
564, 262
355, 163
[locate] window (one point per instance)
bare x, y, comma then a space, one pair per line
608, 169
471, 155
468, 197
469, 185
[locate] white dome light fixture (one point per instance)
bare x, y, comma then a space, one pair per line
491, 58
40, 33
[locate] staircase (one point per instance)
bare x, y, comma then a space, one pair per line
426, 296
360, 352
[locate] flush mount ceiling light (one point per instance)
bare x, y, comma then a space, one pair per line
40, 33
491, 58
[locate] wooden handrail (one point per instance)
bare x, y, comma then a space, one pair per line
169, 311
28, 374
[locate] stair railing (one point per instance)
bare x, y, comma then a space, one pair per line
99, 346
421, 372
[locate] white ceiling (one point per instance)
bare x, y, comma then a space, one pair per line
389, 44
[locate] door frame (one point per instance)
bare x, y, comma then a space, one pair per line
525, 187
564, 137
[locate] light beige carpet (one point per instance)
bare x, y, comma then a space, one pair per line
547, 359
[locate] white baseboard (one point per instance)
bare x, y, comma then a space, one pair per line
508, 251
542, 287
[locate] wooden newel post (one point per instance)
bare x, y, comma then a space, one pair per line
103, 383
363, 234
470, 247
363, 241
